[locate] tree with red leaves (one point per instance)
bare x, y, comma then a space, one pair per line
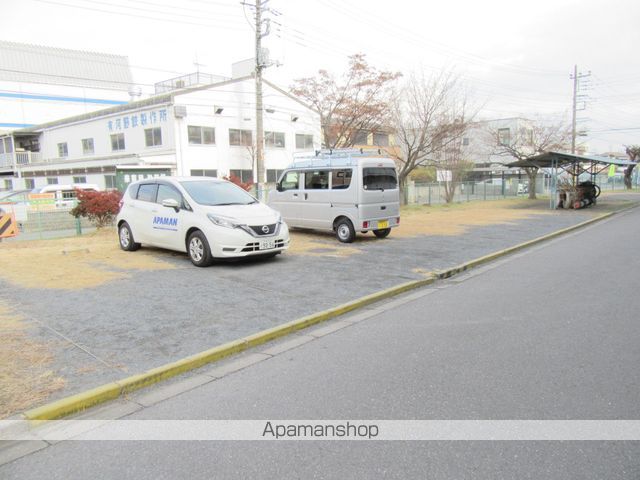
246, 186
357, 102
99, 207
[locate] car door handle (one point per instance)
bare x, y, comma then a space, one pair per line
295, 194
306, 196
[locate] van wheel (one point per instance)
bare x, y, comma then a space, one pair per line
345, 231
198, 249
382, 233
126, 238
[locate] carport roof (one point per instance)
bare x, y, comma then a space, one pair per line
561, 160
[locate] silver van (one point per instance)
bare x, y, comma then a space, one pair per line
343, 191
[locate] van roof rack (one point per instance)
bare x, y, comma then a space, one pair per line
334, 157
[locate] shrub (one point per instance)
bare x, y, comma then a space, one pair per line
99, 207
244, 185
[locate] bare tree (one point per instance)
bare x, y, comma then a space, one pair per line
526, 141
634, 155
455, 162
358, 101
429, 115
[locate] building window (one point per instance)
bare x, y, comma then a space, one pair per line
8, 184
153, 137
361, 138
244, 175
6, 146
465, 141
87, 146
274, 139
204, 173
240, 138
109, 181
273, 175
304, 141
63, 151
117, 142
504, 136
82, 179
29, 183
201, 135
52, 180
381, 139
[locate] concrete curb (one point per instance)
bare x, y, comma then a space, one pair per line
111, 391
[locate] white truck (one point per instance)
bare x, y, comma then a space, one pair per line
343, 191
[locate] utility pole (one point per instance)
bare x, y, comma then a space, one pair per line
576, 77
260, 65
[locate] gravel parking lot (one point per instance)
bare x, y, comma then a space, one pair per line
101, 314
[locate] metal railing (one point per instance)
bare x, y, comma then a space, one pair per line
434, 193
19, 158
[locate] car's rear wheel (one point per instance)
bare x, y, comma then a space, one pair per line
345, 231
127, 243
382, 233
198, 249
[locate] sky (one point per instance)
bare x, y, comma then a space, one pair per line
515, 58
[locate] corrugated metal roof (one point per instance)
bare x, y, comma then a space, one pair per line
20, 62
547, 160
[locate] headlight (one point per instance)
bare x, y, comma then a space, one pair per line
279, 218
223, 221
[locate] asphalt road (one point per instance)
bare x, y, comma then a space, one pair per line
552, 333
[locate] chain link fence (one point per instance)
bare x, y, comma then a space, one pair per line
41, 220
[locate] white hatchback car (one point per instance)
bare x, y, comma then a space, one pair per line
205, 217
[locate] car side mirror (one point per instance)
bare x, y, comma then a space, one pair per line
171, 203
279, 187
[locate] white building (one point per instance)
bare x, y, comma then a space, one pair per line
481, 143
205, 130
40, 84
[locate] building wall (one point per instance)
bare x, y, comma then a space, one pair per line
282, 114
238, 103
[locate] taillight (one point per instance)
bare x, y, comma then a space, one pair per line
398, 221
120, 204
365, 224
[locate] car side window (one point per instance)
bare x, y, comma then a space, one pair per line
165, 192
341, 179
316, 180
290, 181
147, 192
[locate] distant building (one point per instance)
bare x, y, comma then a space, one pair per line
205, 130
40, 84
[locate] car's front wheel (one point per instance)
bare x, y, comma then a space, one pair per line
127, 243
198, 249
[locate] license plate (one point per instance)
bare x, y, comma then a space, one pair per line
267, 244
383, 224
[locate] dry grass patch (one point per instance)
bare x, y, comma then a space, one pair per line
25, 376
456, 219
71, 263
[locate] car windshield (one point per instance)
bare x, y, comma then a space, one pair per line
206, 192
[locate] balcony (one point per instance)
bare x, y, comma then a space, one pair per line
9, 160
